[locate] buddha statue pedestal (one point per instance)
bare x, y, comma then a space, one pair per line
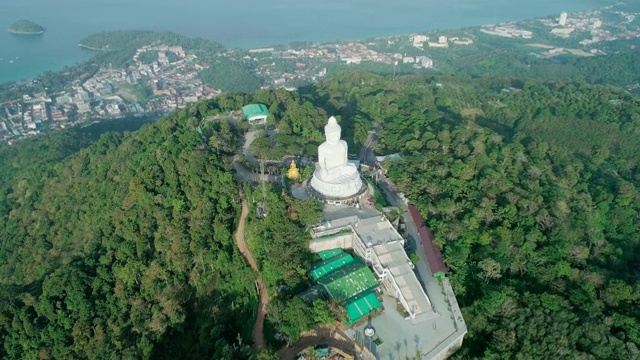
335, 178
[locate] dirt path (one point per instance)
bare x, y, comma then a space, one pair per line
258, 329
333, 337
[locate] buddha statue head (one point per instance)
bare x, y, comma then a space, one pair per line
332, 131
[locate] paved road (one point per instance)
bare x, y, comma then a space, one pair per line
243, 174
367, 156
249, 136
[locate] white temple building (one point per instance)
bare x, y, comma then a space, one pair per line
376, 241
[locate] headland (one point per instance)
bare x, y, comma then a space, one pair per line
26, 27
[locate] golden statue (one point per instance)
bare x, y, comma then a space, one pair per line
293, 172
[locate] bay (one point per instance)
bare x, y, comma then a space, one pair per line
241, 23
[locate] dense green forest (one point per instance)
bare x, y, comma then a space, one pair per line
619, 69
532, 190
230, 75
122, 249
123, 246
530, 186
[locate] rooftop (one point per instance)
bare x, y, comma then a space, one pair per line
349, 281
431, 250
402, 339
328, 254
395, 259
255, 110
375, 231
360, 305
330, 265
415, 215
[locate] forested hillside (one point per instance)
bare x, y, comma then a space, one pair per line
122, 250
533, 192
616, 69
531, 187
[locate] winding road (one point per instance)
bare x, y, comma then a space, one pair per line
258, 329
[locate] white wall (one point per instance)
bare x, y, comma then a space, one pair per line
339, 241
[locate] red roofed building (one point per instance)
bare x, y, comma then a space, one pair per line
210, 90
434, 256
431, 250
415, 215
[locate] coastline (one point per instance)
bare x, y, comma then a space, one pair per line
393, 34
16, 32
90, 48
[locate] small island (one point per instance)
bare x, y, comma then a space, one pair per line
26, 27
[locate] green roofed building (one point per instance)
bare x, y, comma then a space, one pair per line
328, 254
255, 113
349, 281
332, 264
360, 305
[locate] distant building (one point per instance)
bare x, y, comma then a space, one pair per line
190, 99
83, 107
64, 99
443, 42
352, 60
211, 91
418, 40
563, 19
597, 24
424, 62
113, 109
255, 113
462, 41
509, 31
562, 32
261, 50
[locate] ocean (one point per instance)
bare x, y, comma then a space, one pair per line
241, 23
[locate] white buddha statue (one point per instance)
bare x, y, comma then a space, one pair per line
334, 175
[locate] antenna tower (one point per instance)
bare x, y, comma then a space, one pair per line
262, 211
262, 180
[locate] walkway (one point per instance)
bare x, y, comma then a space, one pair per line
333, 337
258, 329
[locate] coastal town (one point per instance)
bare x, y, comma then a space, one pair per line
163, 78
158, 87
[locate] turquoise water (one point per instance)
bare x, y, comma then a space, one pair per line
241, 23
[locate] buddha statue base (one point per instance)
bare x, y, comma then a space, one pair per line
347, 188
